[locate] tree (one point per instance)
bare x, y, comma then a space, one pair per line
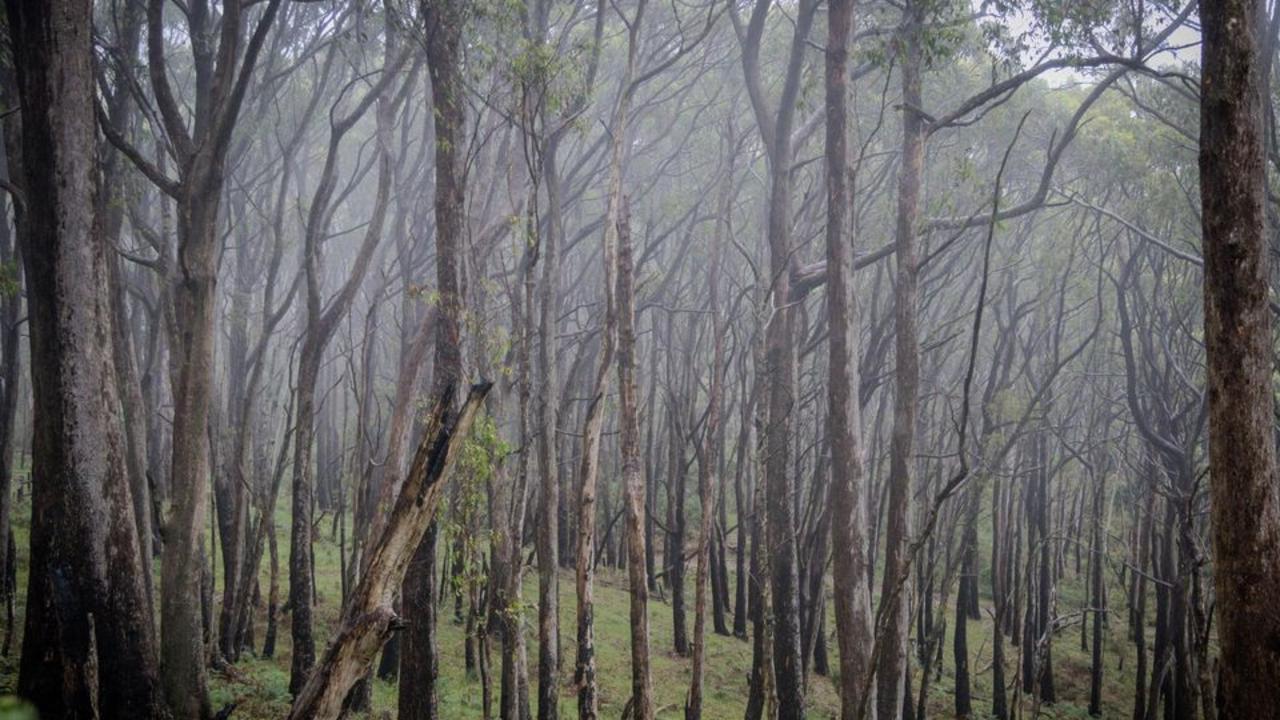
442, 22
322, 321
199, 141
1242, 450
89, 648
776, 125
848, 526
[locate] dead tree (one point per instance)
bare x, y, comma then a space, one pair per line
368, 619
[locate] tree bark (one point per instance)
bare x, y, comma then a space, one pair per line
442, 23
848, 475
88, 650
1242, 451
892, 665
642, 707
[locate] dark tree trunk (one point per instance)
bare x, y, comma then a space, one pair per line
89, 650
442, 22
960, 644
1043, 636
1242, 450
673, 549
1144, 529
999, 701
1098, 603
742, 503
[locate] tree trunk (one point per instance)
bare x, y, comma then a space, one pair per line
892, 665
1242, 451
709, 460
442, 22
642, 707
548, 531
848, 473
88, 649
10, 378
322, 321
1098, 604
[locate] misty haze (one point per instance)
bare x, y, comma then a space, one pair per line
639, 359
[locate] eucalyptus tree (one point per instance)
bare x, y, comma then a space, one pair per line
87, 575
197, 133
776, 123
323, 317
1242, 460
849, 514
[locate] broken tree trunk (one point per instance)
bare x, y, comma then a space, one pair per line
369, 618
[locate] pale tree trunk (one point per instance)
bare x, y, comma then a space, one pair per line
762, 697
708, 462
1242, 454
633, 479
585, 669
892, 665
191, 347
88, 649
548, 459
10, 378
848, 475
10, 357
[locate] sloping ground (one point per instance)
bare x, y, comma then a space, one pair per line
260, 687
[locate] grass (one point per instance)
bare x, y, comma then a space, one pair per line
260, 686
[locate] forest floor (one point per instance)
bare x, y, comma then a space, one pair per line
259, 686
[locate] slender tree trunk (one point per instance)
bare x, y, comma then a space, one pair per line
10, 377
999, 701
442, 22
892, 665
322, 320
848, 473
642, 707
960, 635
548, 530
1045, 582
1098, 603
742, 503
709, 461
1140, 603
673, 549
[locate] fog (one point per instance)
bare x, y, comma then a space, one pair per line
563, 358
